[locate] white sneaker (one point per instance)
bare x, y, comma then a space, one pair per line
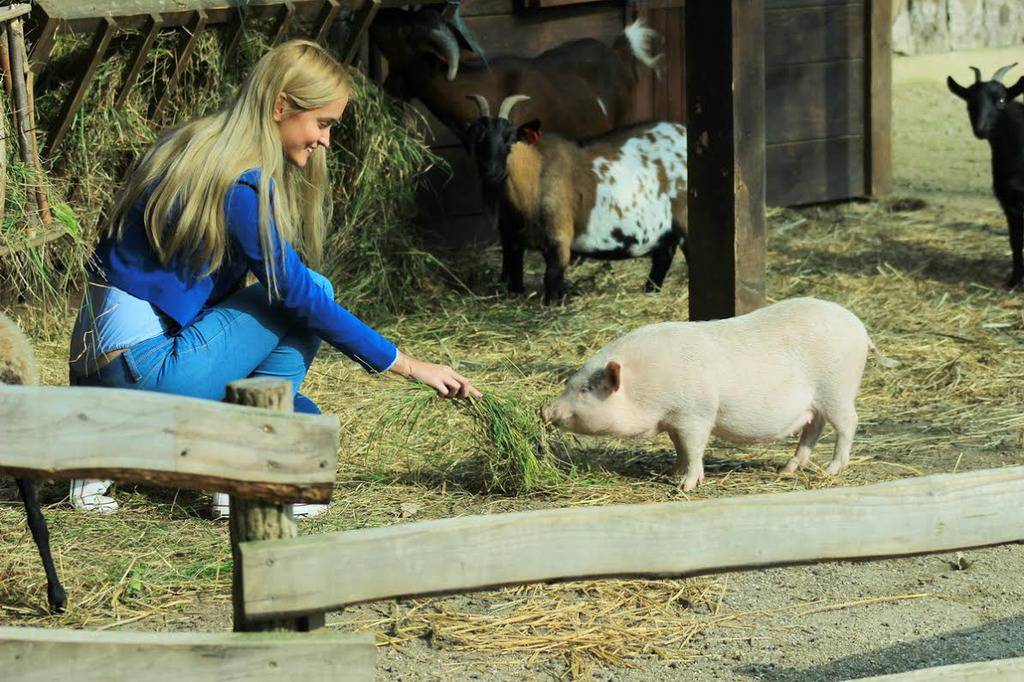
306, 511
221, 508
89, 495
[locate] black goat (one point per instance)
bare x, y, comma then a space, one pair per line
17, 366
997, 118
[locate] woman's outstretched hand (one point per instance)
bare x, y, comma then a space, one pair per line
446, 381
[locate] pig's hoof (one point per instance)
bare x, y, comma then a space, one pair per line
834, 469
790, 467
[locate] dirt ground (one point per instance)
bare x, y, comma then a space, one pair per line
841, 620
926, 277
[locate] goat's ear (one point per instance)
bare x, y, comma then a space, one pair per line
529, 132
1016, 89
957, 89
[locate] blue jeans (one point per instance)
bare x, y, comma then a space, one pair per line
245, 335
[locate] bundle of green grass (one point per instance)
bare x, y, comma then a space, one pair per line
514, 452
376, 166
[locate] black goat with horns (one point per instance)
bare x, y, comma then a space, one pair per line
997, 118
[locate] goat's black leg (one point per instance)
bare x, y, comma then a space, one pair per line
512, 251
555, 262
1015, 222
37, 524
661, 261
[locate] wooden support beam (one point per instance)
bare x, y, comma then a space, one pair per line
14, 11
236, 30
327, 16
100, 42
37, 235
166, 440
256, 520
188, 45
42, 200
152, 31
910, 516
726, 157
878, 124
25, 115
47, 654
1002, 670
43, 45
283, 23
360, 25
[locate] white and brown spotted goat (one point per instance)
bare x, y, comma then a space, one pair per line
619, 195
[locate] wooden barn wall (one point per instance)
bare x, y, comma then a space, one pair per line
816, 85
815, 95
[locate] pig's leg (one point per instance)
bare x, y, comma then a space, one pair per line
690, 442
845, 424
808, 438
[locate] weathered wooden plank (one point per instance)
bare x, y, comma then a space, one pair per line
14, 11
879, 111
812, 34
360, 25
257, 520
235, 31
472, 8
42, 45
914, 515
1002, 670
156, 22
81, 15
541, 4
328, 14
531, 33
284, 20
166, 440
21, 84
101, 40
44, 655
783, 4
815, 171
194, 30
726, 160
84, 9
812, 101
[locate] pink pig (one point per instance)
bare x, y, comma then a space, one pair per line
759, 377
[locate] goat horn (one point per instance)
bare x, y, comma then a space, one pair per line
998, 75
442, 37
977, 74
508, 103
481, 102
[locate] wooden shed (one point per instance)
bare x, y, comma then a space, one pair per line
827, 92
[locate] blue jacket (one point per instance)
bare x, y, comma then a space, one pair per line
130, 264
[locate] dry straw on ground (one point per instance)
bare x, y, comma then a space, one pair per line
926, 280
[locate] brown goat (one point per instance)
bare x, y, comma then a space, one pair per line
579, 89
618, 195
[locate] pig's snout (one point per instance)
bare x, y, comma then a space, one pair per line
553, 413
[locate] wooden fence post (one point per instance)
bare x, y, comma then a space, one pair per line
253, 520
726, 157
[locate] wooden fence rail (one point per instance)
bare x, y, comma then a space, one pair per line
917, 515
167, 440
44, 655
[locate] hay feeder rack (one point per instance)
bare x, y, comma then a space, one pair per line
106, 18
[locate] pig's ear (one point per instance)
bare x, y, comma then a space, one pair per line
613, 375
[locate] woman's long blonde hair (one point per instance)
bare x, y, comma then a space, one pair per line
194, 166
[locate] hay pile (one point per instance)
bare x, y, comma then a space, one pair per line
376, 166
